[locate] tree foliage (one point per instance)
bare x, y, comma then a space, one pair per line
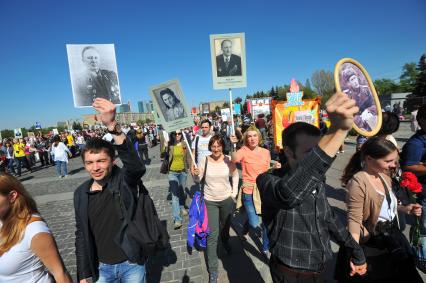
407, 80
323, 83
385, 86
420, 85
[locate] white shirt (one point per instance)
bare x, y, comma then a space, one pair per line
80, 140
20, 264
203, 147
60, 152
108, 137
385, 213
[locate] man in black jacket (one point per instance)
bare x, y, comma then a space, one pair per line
294, 205
103, 249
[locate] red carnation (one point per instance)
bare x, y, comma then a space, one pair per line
409, 181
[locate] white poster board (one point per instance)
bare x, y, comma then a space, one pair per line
93, 71
228, 58
169, 103
18, 133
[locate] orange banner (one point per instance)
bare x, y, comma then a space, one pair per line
283, 116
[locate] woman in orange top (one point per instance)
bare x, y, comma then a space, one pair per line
254, 161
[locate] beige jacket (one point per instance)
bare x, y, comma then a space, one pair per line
256, 198
364, 204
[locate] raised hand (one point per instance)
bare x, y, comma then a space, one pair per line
341, 111
107, 112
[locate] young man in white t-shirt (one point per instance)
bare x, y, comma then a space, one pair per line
200, 145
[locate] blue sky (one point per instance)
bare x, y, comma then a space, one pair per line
160, 40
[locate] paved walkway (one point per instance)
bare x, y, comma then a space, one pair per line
244, 264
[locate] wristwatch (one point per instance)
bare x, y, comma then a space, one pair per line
116, 131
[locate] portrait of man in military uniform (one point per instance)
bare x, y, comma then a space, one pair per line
90, 80
355, 85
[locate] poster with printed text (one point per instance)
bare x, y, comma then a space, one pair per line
228, 58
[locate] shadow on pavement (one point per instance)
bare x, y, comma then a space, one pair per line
157, 262
26, 178
335, 193
238, 266
74, 171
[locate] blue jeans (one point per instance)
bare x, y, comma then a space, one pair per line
177, 182
10, 167
63, 165
124, 272
255, 221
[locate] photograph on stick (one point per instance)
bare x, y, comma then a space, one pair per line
228, 60
93, 72
170, 105
352, 79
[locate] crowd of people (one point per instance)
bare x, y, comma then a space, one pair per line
283, 195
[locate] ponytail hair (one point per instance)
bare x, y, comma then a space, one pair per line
375, 147
353, 167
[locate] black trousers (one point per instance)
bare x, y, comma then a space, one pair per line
278, 276
143, 152
44, 158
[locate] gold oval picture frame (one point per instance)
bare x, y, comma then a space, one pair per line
351, 78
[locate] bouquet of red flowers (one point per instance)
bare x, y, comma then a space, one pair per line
411, 184
409, 181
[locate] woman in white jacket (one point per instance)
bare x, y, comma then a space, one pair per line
60, 154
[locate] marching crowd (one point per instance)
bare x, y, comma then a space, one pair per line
282, 193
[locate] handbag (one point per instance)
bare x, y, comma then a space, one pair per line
164, 169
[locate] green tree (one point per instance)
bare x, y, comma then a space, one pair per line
420, 85
385, 86
225, 105
140, 122
323, 84
6, 133
76, 126
308, 84
407, 80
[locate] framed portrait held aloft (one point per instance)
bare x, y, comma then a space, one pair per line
352, 78
228, 58
169, 104
93, 72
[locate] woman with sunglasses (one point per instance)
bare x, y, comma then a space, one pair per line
179, 162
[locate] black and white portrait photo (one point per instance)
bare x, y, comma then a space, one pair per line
93, 71
227, 63
228, 60
169, 103
354, 82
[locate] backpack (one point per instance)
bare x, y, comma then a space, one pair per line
145, 227
198, 229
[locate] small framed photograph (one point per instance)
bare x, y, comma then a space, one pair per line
169, 103
351, 78
228, 58
93, 71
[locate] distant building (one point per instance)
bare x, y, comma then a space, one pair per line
206, 107
149, 107
122, 118
123, 108
389, 100
62, 124
141, 107
132, 117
